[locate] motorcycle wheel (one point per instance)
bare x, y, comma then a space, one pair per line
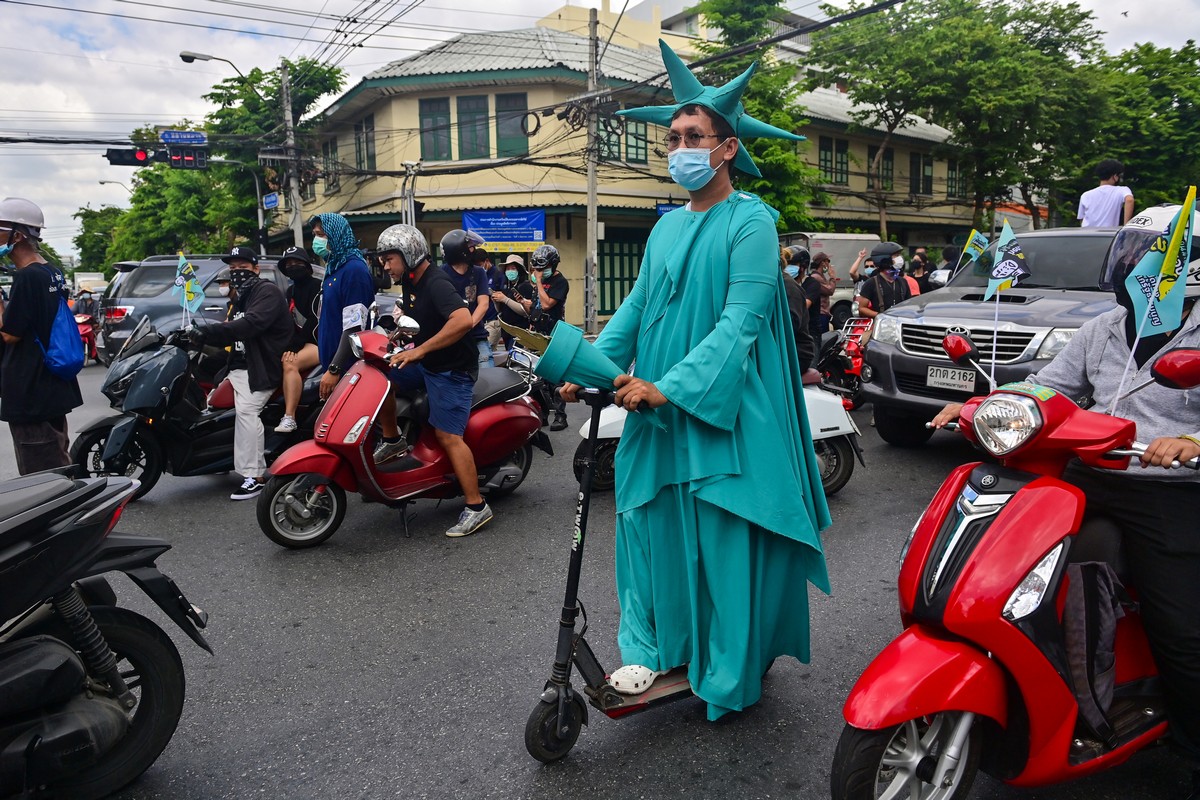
287, 528
147, 460
605, 477
542, 738
900, 761
835, 459
153, 670
523, 459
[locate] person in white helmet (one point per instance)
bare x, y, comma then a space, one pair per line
33, 401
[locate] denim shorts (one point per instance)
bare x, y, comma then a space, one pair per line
449, 393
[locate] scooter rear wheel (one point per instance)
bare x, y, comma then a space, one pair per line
902, 760
285, 525
835, 457
542, 731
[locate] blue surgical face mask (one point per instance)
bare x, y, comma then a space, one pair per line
689, 166
546, 273
321, 246
5, 249
510, 274
870, 271
792, 271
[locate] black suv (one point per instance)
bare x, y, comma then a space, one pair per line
908, 376
144, 288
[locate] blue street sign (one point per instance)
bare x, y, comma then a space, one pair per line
513, 230
663, 208
271, 200
183, 137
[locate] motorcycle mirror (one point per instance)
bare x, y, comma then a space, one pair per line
1178, 369
408, 326
939, 277
961, 349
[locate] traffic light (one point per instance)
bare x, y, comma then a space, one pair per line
129, 156
187, 157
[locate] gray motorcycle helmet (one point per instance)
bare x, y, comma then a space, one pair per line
406, 240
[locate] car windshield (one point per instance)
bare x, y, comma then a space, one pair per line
148, 280
1070, 261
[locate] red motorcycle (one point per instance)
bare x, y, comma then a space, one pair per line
840, 361
87, 332
980, 677
304, 501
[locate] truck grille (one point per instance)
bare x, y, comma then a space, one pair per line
926, 340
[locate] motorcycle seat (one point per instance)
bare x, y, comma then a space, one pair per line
24, 494
497, 385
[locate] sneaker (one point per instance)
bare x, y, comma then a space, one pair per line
386, 451
250, 488
470, 521
286, 425
560, 421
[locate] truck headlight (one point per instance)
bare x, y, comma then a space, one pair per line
1004, 422
1029, 593
887, 329
1054, 342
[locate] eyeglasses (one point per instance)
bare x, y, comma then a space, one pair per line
673, 140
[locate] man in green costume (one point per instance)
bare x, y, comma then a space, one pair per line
719, 510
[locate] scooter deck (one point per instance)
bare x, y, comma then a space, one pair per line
667, 688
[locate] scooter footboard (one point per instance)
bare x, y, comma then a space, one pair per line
310, 457
922, 672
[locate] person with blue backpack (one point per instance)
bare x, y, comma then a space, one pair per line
37, 371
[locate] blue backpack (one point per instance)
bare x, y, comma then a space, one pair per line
64, 356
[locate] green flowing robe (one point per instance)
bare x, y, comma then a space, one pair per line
719, 511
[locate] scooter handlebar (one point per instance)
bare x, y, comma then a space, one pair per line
1137, 450
950, 426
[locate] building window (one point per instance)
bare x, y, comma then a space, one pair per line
473, 124
364, 143
834, 160
609, 142
955, 184
887, 168
308, 191
920, 173
510, 113
434, 116
636, 143
330, 168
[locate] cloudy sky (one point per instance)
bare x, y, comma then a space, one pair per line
99, 68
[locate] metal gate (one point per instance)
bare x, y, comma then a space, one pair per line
620, 257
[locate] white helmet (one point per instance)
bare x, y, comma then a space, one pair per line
1134, 240
24, 213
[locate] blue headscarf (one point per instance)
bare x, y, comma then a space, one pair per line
342, 243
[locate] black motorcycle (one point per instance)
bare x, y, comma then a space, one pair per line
840, 362
166, 422
91, 693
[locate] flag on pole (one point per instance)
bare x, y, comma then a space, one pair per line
976, 244
191, 293
1156, 284
1009, 267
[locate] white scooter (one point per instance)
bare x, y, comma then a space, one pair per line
835, 441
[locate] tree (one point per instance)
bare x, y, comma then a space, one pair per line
788, 183
95, 237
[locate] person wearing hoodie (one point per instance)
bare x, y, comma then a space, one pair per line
347, 292
1153, 506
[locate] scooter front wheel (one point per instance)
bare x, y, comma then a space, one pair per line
911, 761
300, 519
145, 460
545, 737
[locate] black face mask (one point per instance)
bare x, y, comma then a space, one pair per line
297, 272
242, 279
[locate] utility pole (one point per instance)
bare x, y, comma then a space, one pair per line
293, 158
593, 153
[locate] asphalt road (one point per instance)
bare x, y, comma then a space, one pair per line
379, 666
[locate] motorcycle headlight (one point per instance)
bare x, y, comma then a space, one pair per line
1004, 422
887, 329
356, 345
1028, 595
1054, 342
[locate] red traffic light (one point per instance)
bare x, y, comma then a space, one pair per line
129, 156
142, 156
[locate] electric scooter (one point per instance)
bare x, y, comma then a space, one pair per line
981, 676
835, 441
556, 721
304, 501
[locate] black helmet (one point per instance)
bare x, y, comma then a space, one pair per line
457, 245
545, 257
222, 276
798, 255
883, 253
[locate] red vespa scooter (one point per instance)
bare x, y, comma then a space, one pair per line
304, 501
979, 677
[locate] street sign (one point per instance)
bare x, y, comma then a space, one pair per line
183, 137
270, 201
519, 230
665, 208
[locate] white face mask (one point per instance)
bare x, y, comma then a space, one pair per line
224, 290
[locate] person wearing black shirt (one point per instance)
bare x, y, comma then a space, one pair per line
547, 308
886, 286
799, 310
301, 355
260, 331
510, 296
33, 400
444, 361
472, 284
491, 320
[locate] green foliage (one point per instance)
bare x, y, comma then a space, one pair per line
788, 183
96, 230
50, 255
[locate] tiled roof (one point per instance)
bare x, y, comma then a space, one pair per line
835, 106
530, 48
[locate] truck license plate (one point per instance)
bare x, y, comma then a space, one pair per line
962, 380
